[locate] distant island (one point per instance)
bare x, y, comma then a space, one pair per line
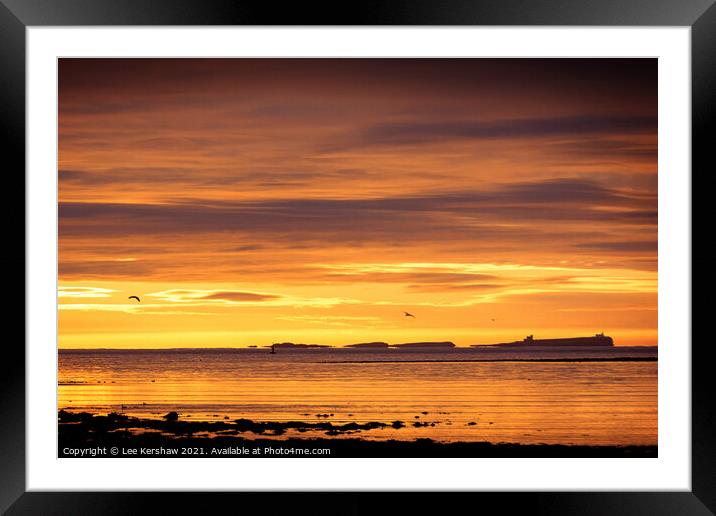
292, 345
598, 340
367, 345
432, 345
371, 345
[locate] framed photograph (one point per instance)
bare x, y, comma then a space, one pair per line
436, 247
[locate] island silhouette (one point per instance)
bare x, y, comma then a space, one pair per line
599, 340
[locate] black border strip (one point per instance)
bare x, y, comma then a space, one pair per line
365, 12
16, 15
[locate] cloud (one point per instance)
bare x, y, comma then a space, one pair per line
451, 287
639, 246
69, 266
605, 150
428, 132
186, 295
397, 276
240, 296
600, 309
244, 248
83, 292
196, 297
575, 218
330, 320
102, 307
434, 217
190, 177
512, 279
133, 309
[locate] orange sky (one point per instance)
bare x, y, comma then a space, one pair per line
256, 201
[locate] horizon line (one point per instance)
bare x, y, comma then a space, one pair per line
323, 346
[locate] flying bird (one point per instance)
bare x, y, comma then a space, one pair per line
408, 315
135, 297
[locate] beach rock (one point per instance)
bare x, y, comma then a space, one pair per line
171, 416
73, 417
372, 424
245, 425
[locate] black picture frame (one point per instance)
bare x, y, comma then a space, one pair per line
17, 15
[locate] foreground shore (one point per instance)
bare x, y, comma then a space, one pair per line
115, 435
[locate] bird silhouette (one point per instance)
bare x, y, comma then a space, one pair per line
135, 297
408, 315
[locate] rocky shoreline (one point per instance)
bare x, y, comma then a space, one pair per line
129, 436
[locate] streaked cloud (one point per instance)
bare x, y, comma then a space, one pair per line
333, 320
179, 296
82, 292
515, 128
209, 297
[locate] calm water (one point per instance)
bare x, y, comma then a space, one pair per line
509, 401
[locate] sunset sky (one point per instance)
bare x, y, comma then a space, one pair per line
251, 201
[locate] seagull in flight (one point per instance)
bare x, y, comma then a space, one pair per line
135, 297
408, 315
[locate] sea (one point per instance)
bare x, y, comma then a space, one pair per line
586, 396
